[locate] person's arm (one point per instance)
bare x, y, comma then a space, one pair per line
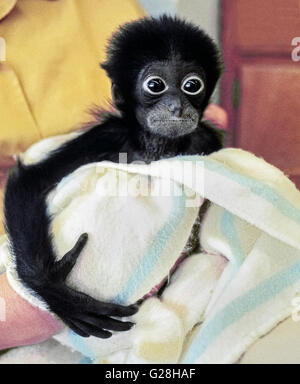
23, 324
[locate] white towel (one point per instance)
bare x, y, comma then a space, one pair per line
239, 287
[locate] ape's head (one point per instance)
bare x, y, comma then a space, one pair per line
163, 73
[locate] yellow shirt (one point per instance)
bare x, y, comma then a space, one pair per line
51, 76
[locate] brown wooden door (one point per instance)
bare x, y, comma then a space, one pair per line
261, 87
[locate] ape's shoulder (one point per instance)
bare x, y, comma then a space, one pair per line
207, 139
107, 123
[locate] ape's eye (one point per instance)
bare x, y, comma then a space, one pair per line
155, 85
193, 85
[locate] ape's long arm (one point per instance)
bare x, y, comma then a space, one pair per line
163, 73
28, 227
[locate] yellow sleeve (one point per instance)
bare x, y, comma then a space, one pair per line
51, 76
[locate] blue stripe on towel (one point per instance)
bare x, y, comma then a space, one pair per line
259, 188
229, 231
157, 247
80, 345
146, 265
86, 361
255, 186
239, 308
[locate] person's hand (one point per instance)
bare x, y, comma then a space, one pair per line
217, 115
21, 323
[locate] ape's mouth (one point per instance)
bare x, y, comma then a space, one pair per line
174, 120
158, 289
172, 127
180, 120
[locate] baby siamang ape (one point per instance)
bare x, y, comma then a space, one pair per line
163, 73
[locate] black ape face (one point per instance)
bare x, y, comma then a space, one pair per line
169, 96
163, 73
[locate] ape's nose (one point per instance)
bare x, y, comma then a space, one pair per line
175, 107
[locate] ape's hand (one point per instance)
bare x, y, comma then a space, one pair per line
81, 313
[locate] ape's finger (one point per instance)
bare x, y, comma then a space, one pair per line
107, 323
115, 310
77, 329
92, 330
81, 242
63, 267
92, 306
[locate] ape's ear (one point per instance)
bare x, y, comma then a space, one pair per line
116, 96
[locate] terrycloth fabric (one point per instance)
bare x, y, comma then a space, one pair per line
239, 287
49, 352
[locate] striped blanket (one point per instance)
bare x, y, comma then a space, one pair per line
235, 289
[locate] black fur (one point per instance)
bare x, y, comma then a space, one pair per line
27, 222
149, 40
